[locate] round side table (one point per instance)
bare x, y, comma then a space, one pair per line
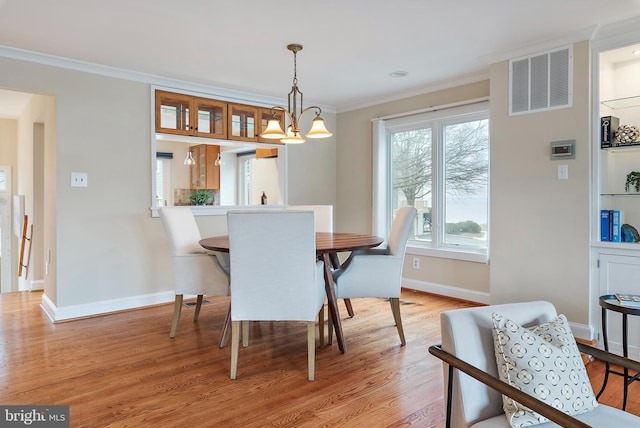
610, 302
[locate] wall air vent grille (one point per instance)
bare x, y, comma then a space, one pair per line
543, 81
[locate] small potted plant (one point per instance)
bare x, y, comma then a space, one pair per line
200, 197
633, 179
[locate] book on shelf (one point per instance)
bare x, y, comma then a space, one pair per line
611, 225
616, 224
604, 225
627, 298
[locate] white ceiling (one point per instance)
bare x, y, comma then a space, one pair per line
350, 46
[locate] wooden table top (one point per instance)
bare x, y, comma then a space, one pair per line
325, 242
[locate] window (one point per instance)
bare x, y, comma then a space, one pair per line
258, 176
163, 179
246, 191
437, 162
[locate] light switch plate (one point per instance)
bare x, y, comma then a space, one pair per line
563, 172
79, 179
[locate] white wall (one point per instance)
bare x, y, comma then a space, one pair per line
539, 224
354, 192
110, 253
312, 166
8, 157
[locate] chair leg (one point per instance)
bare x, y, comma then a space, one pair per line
311, 348
235, 345
198, 305
347, 304
321, 326
224, 338
329, 328
395, 308
335, 261
177, 309
245, 333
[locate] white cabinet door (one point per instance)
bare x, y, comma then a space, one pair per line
621, 274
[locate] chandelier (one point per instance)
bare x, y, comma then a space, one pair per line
294, 112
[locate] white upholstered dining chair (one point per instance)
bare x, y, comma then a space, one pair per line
196, 271
472, 375
377, 272
275, 274
323, 215
324, 223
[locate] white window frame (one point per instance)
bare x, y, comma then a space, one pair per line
381, 180
244, 198
166, 180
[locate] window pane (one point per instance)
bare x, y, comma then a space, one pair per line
244, 173
160, 183
466, 162
163, 182
411, 177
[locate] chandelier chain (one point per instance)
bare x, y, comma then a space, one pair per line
295, 68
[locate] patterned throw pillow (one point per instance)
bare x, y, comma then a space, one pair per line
543, 361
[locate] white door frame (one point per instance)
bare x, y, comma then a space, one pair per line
6, 230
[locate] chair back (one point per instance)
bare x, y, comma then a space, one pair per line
182, 230
273, 266
323, 214
466, 333
196, 270
400, 229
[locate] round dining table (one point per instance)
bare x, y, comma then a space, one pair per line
327, 245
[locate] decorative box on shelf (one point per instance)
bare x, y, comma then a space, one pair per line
608, 126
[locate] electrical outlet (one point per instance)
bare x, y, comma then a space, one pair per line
79, 179
416, 263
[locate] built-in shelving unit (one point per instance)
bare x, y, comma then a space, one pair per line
619, 87
619, 194
620, 103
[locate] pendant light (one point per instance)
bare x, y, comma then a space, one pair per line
189, 160
295, 113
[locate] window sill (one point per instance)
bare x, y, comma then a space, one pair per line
209, 210
447, 253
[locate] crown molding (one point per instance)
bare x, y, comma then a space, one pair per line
474, 78
617, 34
224, 94
542, 46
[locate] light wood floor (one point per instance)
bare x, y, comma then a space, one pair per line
122, 370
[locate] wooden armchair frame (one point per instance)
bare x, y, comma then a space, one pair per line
527, 400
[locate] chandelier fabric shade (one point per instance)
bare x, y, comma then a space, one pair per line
295, 113
318, 130
292, 138
273, 130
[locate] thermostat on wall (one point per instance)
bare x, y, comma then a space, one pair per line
563, 149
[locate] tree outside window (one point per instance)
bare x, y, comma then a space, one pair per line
441, 168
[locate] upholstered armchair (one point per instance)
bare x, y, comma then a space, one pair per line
377, 272
521, 336
324, 223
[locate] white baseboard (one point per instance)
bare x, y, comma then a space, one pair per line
65, 313
447, 290
581, 331
37, 285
